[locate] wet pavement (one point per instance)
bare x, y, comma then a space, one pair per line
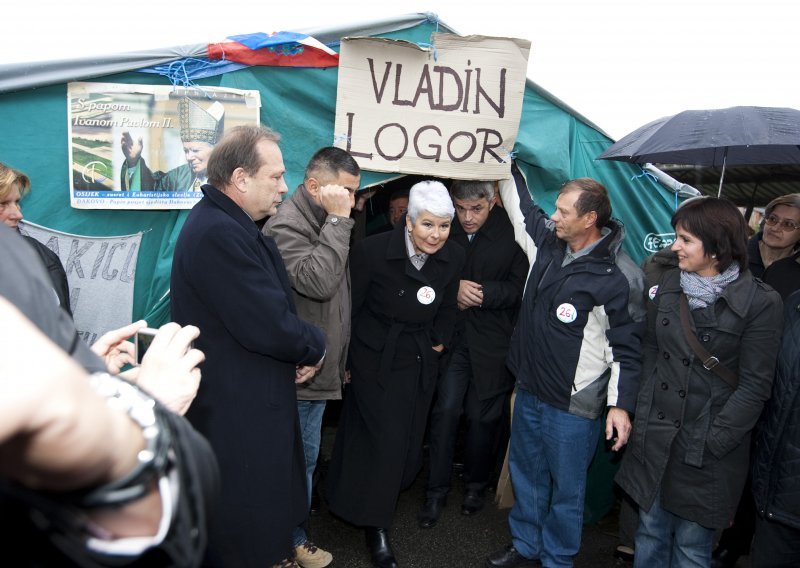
457, 541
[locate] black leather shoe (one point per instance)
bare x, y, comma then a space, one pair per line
430, 512
472, 503
380, 549
724, 558
509, 558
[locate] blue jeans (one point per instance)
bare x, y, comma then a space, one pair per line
310, 412
667, 540
549, 456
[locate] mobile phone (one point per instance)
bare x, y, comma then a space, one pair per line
144, 337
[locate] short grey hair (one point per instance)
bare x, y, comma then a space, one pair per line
430, 196
466, 190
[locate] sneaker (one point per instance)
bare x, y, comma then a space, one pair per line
309, 555
286, 563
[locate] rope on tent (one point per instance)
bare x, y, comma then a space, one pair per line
435, 20
180, 73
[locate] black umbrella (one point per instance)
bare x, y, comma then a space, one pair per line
735, 136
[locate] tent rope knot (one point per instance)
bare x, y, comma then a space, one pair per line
341, 138
180, 72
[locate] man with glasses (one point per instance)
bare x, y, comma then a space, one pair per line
476, 381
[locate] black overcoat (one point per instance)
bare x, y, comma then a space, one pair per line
228, 279
378, 447
691, 432
496, 262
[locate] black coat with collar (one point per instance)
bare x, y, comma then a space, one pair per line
399, 314
496, 262
691, 432
229, 280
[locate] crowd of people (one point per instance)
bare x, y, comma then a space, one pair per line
440, 315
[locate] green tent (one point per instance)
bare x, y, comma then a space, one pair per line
554, 144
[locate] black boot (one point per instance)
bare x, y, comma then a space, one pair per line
431, 510
380, 549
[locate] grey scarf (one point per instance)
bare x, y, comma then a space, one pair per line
704, 291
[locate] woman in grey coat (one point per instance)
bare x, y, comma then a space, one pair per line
688, 456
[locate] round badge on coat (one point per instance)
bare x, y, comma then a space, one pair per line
566, 313
426, 295
652, 292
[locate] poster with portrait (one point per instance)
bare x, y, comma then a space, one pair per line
147, 146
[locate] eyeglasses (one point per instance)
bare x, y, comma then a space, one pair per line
785, 224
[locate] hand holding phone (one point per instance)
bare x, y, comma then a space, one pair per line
144, 338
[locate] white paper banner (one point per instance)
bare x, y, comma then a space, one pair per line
101, 273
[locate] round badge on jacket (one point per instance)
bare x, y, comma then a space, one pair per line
426, 295
652, 292
566, 313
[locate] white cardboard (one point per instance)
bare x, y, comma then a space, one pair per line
451, 110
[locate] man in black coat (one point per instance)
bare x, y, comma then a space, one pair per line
229, 280
476, 381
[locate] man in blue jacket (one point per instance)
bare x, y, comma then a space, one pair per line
574, 352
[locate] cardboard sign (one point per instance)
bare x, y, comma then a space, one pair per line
451, 110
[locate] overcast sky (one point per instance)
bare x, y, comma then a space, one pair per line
619, 63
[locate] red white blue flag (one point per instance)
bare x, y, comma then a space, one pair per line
282, 49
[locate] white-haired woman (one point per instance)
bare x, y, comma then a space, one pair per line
404, 287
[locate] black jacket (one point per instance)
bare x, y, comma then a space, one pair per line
691, 432
496, 262
55, 270
776, 464
784, 275
399, 315
229, 280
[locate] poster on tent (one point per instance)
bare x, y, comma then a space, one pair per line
450, 110
100, 273
147, 146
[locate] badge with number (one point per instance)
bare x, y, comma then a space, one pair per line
566, 313
652, 292
426, 295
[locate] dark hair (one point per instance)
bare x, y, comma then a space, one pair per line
720, 227
237, 149
329, 162
593, 197
398, 194
469, 189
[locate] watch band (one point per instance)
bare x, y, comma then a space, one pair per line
152, 462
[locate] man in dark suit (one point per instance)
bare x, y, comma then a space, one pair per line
476, 381
228, 278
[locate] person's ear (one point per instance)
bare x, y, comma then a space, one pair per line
409, 224
312, 186
239, 179
591, 219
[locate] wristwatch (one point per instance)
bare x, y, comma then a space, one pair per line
152, 462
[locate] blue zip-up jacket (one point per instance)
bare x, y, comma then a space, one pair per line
577, 344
